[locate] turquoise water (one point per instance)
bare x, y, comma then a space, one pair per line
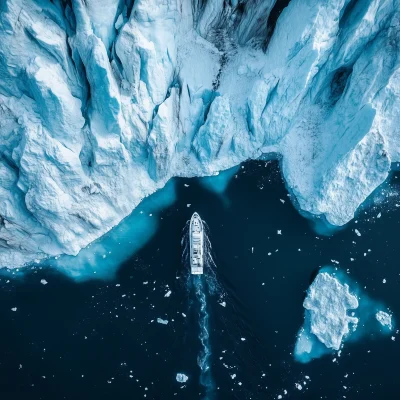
95, 335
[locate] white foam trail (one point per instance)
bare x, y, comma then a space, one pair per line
203, 286
203, 359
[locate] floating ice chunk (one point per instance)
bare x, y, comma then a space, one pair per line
328, 302
357, 232
326, 320
14, 309
162, 321
182, 378
384, 318
43, 282
168, 294
298, 386
383, 280
223, 304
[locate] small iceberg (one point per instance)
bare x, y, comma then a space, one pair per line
162, 321
182, 378
385, 319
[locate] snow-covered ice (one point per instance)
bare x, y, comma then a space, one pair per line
385, 319
153, 89
162, 321
334, 314
326, 321
328, 302
182, 378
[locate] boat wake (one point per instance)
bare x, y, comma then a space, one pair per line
199, 288
204, 357
209, 274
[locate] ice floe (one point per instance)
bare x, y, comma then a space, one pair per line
335, 313
385, 319
181, 378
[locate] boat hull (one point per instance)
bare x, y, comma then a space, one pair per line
196, 232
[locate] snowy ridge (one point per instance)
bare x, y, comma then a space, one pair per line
101, 102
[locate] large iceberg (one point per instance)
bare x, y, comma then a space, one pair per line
327, 320
103, 101
336, 312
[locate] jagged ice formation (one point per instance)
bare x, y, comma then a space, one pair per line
327, 321
102, 101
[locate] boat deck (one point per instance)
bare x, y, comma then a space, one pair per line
196, 245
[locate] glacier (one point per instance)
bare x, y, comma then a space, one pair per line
102, 102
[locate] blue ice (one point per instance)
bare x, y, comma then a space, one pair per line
102, 258
309, 347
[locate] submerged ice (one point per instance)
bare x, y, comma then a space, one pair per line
102, 103
334, 313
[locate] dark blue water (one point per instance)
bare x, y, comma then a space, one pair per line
101, 339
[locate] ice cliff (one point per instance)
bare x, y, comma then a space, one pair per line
102, 101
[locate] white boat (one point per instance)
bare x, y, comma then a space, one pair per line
196, 231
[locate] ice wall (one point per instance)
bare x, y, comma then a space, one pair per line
101, 102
